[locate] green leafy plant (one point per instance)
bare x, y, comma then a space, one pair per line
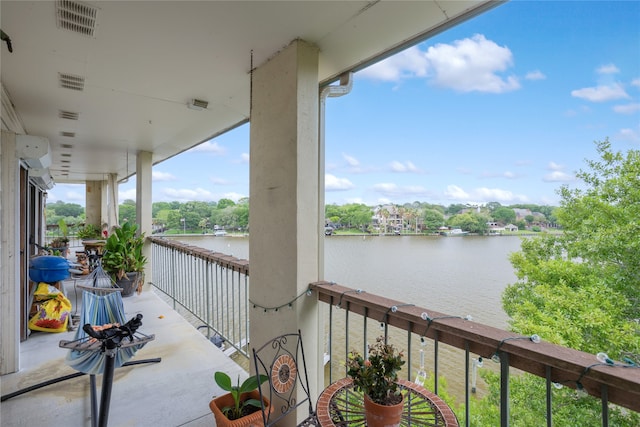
376, 375
240, 407
89, 231
123, 251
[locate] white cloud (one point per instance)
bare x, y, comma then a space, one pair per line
407, 166
635, 82
351, 161
187, 194
162, 176
629, 135
627, 108
456, 193
505, 174
535, 75
471, 65
233, 196
468, 65
209, 147
408, 63
483, 195
333, 183
244, 158
558, 176
126, 195
396, 191
601, 93
608, 69
553, 166
219, 181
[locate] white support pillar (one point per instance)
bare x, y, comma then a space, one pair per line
94, 200
9, 255
283, 243
144, 214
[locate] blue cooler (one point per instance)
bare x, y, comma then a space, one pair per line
48, 269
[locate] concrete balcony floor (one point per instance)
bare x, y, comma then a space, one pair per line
174, 392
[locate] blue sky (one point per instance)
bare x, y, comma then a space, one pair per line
504, 108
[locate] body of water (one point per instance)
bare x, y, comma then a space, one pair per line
452, 275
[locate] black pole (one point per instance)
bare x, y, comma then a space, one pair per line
94, 400
107, 383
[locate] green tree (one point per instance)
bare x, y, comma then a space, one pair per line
66, 209
580, 289
504, 215
433, 219
127, 212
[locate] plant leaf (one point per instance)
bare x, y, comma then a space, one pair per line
252, 383
223, 380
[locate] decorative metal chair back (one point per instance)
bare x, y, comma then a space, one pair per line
282, 360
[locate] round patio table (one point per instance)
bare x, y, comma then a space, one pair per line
340, 405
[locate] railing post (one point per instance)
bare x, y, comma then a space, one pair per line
504, 389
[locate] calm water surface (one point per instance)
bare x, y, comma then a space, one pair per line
452, 275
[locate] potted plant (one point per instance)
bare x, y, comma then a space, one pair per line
60, 244
376, 376
123, 258
241, 405
89, 232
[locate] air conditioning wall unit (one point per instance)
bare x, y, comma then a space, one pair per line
44, 182
34, 151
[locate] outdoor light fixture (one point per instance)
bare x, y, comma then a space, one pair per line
496, 355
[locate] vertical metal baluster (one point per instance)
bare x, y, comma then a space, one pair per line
504, 389
604, 393
435, 362
346, 336
466, 383
365, 350
548, 399
330, 340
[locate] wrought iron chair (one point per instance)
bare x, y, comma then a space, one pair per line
279, 359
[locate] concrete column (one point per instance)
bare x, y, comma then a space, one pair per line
94, 200
144, 215
283, 242
9, 255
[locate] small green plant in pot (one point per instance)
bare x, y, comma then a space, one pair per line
89, 232
241, 405
123, 258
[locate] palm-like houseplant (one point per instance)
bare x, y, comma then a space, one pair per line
123, 258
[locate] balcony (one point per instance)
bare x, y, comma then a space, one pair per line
212, 290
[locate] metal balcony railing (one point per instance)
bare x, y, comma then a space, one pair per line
215, 288
212, 287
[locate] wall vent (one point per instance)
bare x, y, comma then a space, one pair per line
70, 81
77, 17
68, 134
198, 104
66, 146
69, 115
65, 154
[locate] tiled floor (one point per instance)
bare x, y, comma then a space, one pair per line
174, 392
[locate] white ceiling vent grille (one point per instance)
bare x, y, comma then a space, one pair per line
68, 134
77, 17
69, 115
70, 81
198, 104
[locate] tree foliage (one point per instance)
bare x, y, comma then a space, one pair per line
580, 289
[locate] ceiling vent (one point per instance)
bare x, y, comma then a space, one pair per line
66, 145
70, 81
68, 134
77, 17
198, 104
69, 115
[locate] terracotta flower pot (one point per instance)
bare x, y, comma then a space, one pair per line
382, 415
252, 420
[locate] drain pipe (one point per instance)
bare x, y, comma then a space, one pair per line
330, 91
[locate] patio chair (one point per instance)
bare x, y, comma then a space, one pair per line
279, 359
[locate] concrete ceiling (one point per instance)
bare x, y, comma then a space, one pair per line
135, 65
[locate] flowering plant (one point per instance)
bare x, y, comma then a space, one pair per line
376, 375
